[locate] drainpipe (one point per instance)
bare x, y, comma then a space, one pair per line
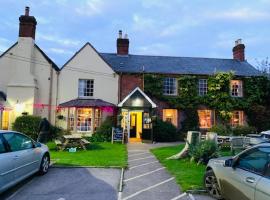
57, 93
50, 94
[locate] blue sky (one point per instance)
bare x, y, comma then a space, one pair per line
194, 28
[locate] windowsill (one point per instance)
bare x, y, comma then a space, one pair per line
237, 96
173, 95
86, 97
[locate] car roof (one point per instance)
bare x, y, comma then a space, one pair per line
266, 144
7, 131
266, 132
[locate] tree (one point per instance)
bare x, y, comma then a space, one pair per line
264, 66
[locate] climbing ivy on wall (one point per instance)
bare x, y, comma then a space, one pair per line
256, 91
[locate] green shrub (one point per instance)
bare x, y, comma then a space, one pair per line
221, 130
28, 125
204, 151
259, 117
191, 121
104, 132
243, 130
164, 131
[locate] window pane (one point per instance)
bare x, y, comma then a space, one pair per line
2, 147
236, 88
170, 115
169, 86
84, 118
237, 118
86, 88
205, 118
18, 142
254, 160
202, 87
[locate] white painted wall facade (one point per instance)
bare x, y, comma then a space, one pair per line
25, 78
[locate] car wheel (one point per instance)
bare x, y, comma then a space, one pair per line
44, 166
211, 184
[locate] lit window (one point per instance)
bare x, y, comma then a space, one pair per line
170, 115
236, 88
71, 119
205, 118
5, 120
169, 86
86, 88
84, 119
202, 87
97, 118
237, 118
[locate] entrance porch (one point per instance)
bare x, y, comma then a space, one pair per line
136, 111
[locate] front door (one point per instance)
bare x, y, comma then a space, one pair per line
133, 125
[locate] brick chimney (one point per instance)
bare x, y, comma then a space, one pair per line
239, 50
122, 44
27, 25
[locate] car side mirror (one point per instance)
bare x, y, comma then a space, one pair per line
228, 163
37, 144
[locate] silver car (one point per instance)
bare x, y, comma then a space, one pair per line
245, 176
20, 157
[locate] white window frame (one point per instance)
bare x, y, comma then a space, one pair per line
85, 90
170, 86
240, 118
84, 126
203, 87
236, 88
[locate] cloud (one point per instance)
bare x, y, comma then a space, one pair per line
154, 49
243, 14
142, 23
91, 8
56, 39
60, 51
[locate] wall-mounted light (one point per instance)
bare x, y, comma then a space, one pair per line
19, 107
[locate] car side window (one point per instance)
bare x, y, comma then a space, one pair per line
18, 142
255, 160
2, 146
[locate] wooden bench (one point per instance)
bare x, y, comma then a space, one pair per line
59, 144
85, 141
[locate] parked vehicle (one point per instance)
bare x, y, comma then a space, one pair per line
245, 176
20, 157
255, 139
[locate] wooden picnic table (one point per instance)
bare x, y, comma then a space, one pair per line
74, 140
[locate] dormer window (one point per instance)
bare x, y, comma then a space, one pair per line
236, 88
86, 88
169, 86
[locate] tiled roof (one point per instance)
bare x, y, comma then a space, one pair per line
86, 103
177, 65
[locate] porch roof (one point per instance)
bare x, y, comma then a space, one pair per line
86, 103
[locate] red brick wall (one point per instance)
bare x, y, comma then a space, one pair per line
129, 82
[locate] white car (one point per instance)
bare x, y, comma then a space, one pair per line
20, 157
245, 176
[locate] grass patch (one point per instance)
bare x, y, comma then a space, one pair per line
188, 174
98, 155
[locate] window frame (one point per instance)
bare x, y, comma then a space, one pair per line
174, 117
203, 90
90, 91
241, 118
211, 118
20, 134
240, 88
167, 85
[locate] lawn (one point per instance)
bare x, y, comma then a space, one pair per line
97, 155
188, 174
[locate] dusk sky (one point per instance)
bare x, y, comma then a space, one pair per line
194, 28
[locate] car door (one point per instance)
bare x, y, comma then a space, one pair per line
241, 180
7, 172
26, 160
262, 189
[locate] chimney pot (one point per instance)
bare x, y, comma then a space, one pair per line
126, 36
120, 34
27, 9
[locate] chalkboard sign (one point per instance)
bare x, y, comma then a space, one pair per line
117, 134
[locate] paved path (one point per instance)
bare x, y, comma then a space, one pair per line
69, 184
147, 179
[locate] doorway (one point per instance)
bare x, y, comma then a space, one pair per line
133, 125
